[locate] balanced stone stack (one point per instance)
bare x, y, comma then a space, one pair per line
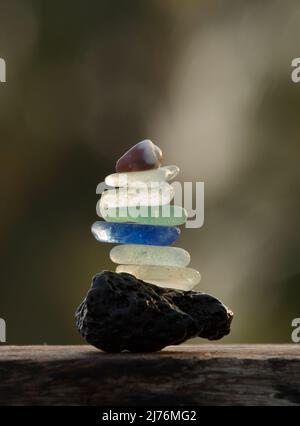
138, 216
148, 303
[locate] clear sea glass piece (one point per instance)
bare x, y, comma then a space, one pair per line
131, 254
164, 276
165, 173
150, 215
133, 233
156, 193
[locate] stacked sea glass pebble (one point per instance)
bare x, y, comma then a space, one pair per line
138, 216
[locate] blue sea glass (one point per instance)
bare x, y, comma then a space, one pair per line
132, 233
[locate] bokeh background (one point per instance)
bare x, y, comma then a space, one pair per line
210, 83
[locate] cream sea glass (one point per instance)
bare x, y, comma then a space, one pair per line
149, 215
157, 193
133, 254
134, 178
164, 276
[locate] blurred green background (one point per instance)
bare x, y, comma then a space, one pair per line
209, 82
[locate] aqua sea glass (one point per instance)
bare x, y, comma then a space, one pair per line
164, 276
132, 254
132, 233
151, 215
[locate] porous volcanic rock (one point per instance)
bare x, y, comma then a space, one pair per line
121, 312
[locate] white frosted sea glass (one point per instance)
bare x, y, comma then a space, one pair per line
165, 173
154, 194
164, 276
139, 254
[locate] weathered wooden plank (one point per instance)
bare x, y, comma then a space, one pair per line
183, 375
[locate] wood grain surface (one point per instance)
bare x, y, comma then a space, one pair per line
179, 376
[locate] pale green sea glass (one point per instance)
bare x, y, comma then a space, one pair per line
164, 276
134, 254
149, 215
165, 173
157, 193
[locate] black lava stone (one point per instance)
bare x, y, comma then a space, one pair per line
122, 313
